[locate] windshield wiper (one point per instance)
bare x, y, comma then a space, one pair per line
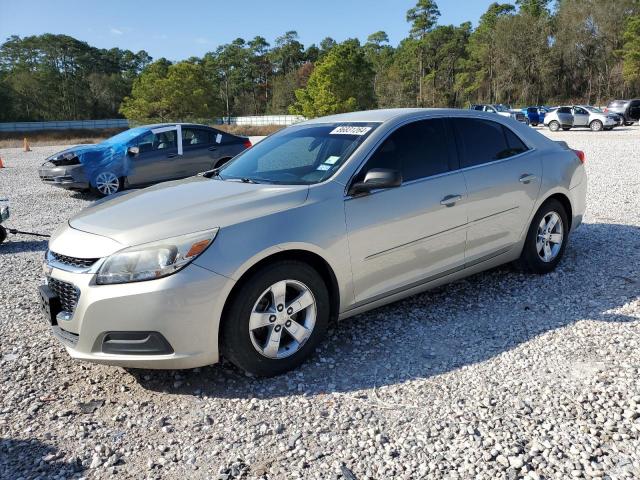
212, 173
248, 180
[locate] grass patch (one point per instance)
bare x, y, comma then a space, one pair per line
56, 137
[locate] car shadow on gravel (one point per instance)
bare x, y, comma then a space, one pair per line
30, 458
464, 323
21, 246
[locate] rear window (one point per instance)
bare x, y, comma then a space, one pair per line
483, 141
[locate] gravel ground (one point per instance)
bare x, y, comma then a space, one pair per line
501, 375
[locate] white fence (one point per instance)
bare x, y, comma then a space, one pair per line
260, 120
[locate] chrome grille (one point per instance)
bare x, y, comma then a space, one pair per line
73, 261
67, 292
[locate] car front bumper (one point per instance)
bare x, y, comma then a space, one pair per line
168, 323
71, 177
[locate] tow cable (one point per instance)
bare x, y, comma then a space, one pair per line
4, 215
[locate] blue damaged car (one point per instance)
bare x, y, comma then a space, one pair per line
141, 156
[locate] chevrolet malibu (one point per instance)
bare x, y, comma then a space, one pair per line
141, 156
319, 222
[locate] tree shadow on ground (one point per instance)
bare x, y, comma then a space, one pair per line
30, 458
21, 246
464, 323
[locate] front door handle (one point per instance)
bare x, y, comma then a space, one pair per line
527, 178
172, 155
450, 200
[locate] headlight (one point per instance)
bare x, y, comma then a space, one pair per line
154, 260
68, 158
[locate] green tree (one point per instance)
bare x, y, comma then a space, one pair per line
341, 82
631, 52
423, 17
170, 92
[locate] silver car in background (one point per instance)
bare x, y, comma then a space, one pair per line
319, 222
593, 118
559, 118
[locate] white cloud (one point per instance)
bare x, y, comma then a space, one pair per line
116, 31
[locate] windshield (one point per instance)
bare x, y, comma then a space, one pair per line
501, 108
298, 155
593, 109
124, 137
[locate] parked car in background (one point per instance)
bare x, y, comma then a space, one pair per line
321, 221
501, 110
535, 115
628, 109
141, 156
559, 118
591, 117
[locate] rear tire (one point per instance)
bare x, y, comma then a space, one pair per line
566, 129
3, 234
628, 124
595, 125
261, 332
554, 126
545, 243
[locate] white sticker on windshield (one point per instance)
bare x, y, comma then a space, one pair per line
332, 160
346, 130
323, 166
218, 138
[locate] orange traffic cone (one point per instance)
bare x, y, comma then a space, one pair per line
1, 164
26, 145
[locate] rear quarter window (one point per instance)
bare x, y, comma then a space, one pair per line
483, 141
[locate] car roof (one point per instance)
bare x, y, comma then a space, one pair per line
171, 124
387, 115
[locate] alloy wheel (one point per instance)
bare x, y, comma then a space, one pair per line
107, 183
282, 319
549, 237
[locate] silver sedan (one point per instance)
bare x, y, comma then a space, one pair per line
319, 222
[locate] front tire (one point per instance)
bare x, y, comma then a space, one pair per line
276, 320
3, 234
546, 239
596, 126
107, 183
554, 126
566, 129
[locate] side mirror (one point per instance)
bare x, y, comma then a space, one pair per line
133, 151
377, 178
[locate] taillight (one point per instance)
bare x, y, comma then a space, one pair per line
580, 155
247, 143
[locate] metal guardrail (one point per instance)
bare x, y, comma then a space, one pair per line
257, 120
63, 125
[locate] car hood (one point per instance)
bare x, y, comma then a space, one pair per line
184, 206
81, 151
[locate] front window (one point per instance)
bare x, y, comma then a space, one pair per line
126, 136
301, 155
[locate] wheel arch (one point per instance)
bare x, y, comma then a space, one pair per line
564, 201
316, 261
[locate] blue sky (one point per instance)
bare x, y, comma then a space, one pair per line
180, 29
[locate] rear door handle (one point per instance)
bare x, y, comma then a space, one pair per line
172, 155
450, 200
211, 149
527, 178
